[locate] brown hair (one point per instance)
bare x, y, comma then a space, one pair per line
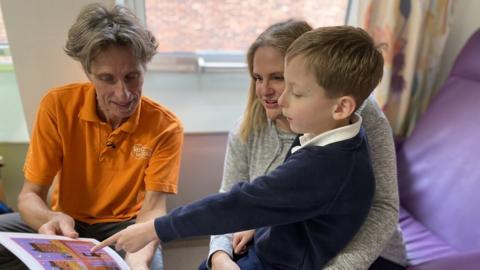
97, 27
278, 36
344, 60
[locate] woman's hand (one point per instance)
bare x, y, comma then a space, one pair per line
240, 241
222, 261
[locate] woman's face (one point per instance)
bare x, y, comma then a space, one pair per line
268, 66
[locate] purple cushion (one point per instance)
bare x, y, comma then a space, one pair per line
439, 164
467, 261
439, 168
422, 245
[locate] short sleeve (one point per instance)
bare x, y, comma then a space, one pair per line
164, 166
44, 156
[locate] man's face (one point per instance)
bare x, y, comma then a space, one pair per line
304, 103
118, 80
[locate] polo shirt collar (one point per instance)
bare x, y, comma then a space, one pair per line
88, 111
331, 136
131, 124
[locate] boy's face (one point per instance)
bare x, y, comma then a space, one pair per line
304, 103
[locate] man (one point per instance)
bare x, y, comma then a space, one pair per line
115, 153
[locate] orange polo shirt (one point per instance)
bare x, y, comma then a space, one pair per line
96, 181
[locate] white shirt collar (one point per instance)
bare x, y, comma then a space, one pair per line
331, 136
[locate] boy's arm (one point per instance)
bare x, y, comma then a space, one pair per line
305, 186
289, 194
132, 239
382, 219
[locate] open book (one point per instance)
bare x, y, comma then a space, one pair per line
41, 251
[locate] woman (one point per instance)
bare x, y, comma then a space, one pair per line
261, 141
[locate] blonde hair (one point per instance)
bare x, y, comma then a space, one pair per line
278, 36
344, 60
98, 27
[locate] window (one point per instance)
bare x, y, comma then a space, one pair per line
200, 70
12, 117
193, 25
5, 59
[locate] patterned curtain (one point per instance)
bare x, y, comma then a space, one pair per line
415, 33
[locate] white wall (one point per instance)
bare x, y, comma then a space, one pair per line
37, 31
465, 21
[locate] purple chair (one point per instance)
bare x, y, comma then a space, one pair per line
439, 173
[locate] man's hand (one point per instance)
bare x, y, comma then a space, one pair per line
142, 258
132, 239
60, 224
154, 205
240, 241
222, 261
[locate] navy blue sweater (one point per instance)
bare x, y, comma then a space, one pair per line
306, 210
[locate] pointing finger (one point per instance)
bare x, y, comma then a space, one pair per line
107, 242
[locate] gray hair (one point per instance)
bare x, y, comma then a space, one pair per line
98, 27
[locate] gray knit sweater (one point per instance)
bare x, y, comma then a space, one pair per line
379, 235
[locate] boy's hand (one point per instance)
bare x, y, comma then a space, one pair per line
240, 241
132, 239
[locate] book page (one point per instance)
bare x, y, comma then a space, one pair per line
40, 251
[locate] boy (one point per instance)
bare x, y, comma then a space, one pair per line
307, 209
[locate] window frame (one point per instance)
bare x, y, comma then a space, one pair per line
199, 62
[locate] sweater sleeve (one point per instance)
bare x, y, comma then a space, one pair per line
382, 218
273, 199
235, 169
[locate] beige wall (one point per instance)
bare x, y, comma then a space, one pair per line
465, 21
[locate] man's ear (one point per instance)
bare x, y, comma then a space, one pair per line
344, 108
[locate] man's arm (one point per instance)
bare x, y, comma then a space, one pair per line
35, 212
154, 205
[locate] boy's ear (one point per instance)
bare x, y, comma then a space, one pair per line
344, 108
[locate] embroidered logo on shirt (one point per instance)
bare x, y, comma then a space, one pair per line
141, 152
